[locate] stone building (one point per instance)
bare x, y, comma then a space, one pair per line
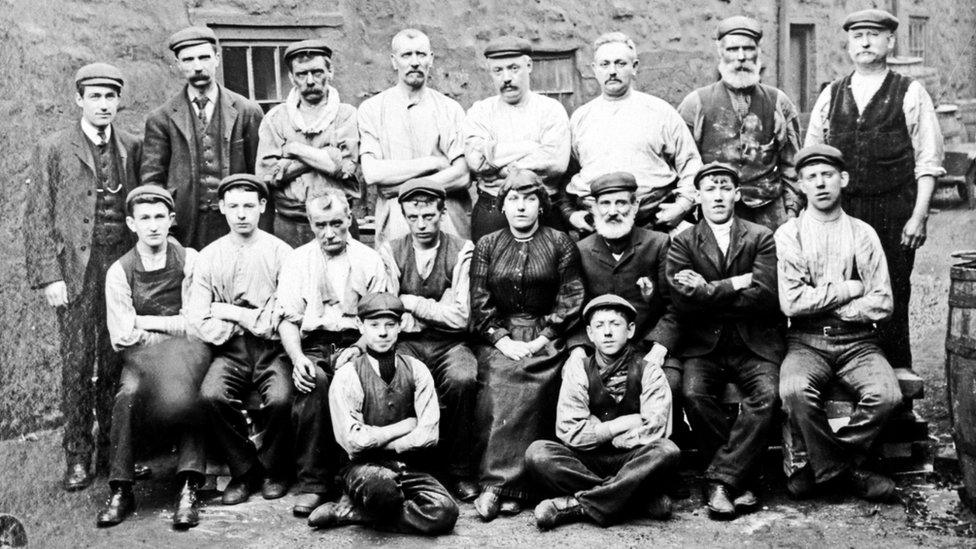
42, 42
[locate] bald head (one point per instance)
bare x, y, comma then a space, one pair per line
411, 58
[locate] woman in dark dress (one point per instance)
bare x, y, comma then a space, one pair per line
526, 294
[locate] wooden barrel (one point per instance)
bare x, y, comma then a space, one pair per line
961, 370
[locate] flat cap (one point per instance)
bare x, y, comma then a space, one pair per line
739, 24
610, 301
717, 168
378, 304
314, 46
613, 182
422, 186
145, 191
820, 154
245, 180
873, 18
99, 74
191, 36
507, 46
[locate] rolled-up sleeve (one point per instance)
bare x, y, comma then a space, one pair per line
453, 308
925, 132
368, 125
680, 146
477, 136
120, 315
346, 409
798, 296
200, 320
290, 302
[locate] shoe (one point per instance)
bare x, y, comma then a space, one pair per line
659, 507
801, 483
465, 489
553, 512
871, 486
306, 503
745, 502
487, 505
76, 477
273, 488
719, 503
336, 513
141, 472
120, 505
187, 513
239, 489
510, 507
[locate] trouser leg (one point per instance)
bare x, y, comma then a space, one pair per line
226, 385
703, 384
674, 373
427, 507
123, 419
272, 379
106, 382
558, 469
316, 451
373, 487
77, 366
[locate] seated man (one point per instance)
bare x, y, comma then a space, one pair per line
161, 366
723, 285
384, 412
834, 287
319, 289
613, 418
232, 307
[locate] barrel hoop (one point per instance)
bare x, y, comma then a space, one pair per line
963, 347
962, 272
962, 301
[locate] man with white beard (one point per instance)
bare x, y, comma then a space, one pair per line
751, 126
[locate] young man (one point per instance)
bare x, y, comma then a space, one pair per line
834, 287
198, 137
514, 130
723, 286
384, 413
320, 286
309, 143
74, 228
613, 418
409, 131
162, 367
232, 307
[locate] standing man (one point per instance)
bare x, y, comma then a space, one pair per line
320, 287
514, 130
627, 130
74, 230
409, 131
200, 136
232, 307
309, 143
753, 127
833, 286
886, 128
723, 284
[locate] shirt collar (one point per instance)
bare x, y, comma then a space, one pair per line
724, 228
92, 132
211, 94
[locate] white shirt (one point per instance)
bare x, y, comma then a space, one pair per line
208, 109
723, 234
92, 132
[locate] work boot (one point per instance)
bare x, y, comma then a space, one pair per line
464, 489
801, 484
553, 512
745, 502
76, 477
239, 489
187, 512
871, 486
659, 507
487, 505
337, 513
120, 505
306, 503
720, 506
273, 488
510, 507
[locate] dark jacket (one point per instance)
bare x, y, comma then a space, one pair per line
645, 257
704, 312
170, 151
61, 205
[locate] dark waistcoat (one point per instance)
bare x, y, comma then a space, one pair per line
156, 293
386, 404
208, 142
602, 403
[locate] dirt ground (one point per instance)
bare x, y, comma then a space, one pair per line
928, 516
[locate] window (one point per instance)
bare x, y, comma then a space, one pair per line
554, 74
800, 82
917, 35
256, 70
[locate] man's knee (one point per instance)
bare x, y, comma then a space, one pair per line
442, 514
538, 454
379, 493
213, 391
461, 372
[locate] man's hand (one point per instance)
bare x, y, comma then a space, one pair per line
515, 350
346, 356
646, 287
538, 344
914, 233
742, 281
656, 356
56, 294
690, 279
303, 374
669, 214
410, 301
578, 219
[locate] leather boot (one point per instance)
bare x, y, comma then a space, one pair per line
187, 513
719, 502
338, 513
120, 505
76, 477
553, 512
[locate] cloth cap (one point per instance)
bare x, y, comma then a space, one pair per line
191, 36
378, 304
99, 74
613, 182
873, 18
717, 168
820, 154
421, 185
739, 24
315, 46
507, 46
154, 191
610, 301
242, 180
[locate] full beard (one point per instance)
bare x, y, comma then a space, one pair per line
613, 230
739, 78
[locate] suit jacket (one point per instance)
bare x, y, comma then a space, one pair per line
61, 205
170, 156
644, 257
706, 311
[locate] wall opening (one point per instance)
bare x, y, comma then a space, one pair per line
801, 80
554, 74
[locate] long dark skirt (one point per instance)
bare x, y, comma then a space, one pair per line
517, 403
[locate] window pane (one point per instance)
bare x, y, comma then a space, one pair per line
263, 62
235, 69
553, 75
285, 83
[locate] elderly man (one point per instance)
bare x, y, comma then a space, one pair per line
833, 285
627, 130
723, 284
514, 130
309, 143
74, 229
232, 307
409, 131
886, 128
753, 127
319, 289
198, 137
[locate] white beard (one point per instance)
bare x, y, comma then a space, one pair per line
736, 79
613, 231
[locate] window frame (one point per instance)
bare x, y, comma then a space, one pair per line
917, 36
571, 97
282, 85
